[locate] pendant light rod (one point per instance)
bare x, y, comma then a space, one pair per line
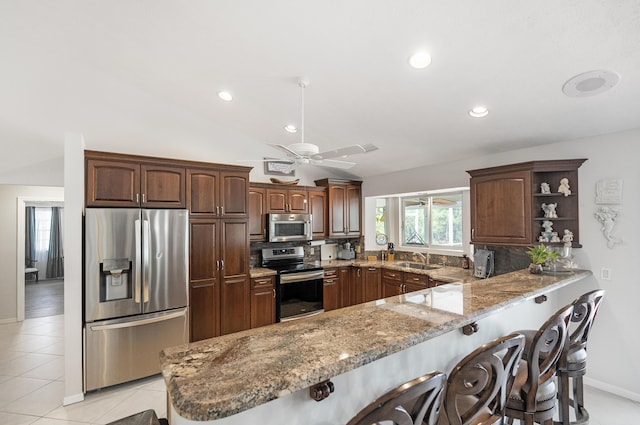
303, 82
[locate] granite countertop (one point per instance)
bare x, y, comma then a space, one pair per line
220, 377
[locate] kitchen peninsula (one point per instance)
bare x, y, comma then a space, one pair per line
262, 375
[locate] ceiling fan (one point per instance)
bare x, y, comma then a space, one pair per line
303, 153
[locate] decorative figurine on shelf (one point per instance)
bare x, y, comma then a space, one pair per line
607, 216
544, 188
564, 187
550, 210
554, 237
568, 237
548, 226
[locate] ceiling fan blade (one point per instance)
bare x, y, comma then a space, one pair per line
287, 150
347, 150
333, 163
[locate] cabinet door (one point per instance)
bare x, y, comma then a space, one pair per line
276, 201
112, 184
297, 201
204, 304
162, 186
331, 294
410, 287
235, 303
357, 285
501, 208
390, 288
372, 284
263, 302
318, 210
352, 210
257, 214
337, 222
203, 313
344, 276
234, 194
202, 192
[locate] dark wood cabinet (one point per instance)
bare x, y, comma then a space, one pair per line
344, 206
217, 193
284, 200
372, 287
391, 283
506, 202
319, 211
263, 301
344, 277
204, 290
331, 290
257, 214
114, 180
235, 303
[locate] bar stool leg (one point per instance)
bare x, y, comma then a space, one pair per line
563, 399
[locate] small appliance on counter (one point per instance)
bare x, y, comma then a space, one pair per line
346, 252
483, 263
329, 252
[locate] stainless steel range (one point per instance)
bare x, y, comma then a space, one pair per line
299, 286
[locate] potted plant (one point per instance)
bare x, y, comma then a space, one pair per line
539, 255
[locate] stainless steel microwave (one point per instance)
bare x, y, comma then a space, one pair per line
289, 227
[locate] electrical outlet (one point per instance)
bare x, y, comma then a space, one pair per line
605, 273
312, 251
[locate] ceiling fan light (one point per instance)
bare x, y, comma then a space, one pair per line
290, 128
225, 95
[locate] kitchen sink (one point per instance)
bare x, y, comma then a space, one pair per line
418, 266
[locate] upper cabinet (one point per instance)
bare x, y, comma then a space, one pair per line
507, 203
287, 200
318, 209
217, 193
114, 180
345, 205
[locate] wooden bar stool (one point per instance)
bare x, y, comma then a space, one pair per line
573, 361
479, 385
416, 402
533, 397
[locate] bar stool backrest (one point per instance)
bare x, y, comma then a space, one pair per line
416, 402
585, 309
479, 385
546, 347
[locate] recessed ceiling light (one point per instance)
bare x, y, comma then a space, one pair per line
225, 95
479, 112
590, 83
291, 128
420, 60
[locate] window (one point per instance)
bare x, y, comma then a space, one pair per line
381, 216
432, 220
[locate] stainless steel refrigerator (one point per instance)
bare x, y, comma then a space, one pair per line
135, 291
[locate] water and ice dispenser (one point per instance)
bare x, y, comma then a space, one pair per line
116, 279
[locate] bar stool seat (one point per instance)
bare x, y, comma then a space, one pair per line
533, 397
479, 385
573, 362
416, 402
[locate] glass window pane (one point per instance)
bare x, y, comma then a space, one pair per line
381, 216
416, 221
446, 221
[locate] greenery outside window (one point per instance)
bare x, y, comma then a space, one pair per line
432, 221
381, 216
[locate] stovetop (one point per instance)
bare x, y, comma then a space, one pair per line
287, 260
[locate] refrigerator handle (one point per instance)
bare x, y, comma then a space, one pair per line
146, 243
138, 265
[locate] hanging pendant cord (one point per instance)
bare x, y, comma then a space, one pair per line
302, 86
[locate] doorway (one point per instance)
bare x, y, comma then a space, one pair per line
40, 258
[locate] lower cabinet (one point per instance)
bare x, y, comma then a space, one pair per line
263, 301
344, 277
372, 285
203, 311
398, 283
391, 283
234, 305
331, 290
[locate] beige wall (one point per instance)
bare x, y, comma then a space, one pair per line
9, 234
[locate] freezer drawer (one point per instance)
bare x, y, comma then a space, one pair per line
122, 350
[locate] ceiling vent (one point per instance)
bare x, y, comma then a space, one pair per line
590, 83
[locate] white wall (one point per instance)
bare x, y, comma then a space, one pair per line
9, 234
613, 343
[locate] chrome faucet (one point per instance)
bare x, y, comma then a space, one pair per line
421, 256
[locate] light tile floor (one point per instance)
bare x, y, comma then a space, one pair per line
32, 385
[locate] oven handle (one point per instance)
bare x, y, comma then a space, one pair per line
300, 316
301, 276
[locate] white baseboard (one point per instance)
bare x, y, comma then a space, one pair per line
71, 399
9, 320
612, 389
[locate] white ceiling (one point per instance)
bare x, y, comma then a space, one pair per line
141, 76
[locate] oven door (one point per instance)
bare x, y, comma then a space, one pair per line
299, 295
